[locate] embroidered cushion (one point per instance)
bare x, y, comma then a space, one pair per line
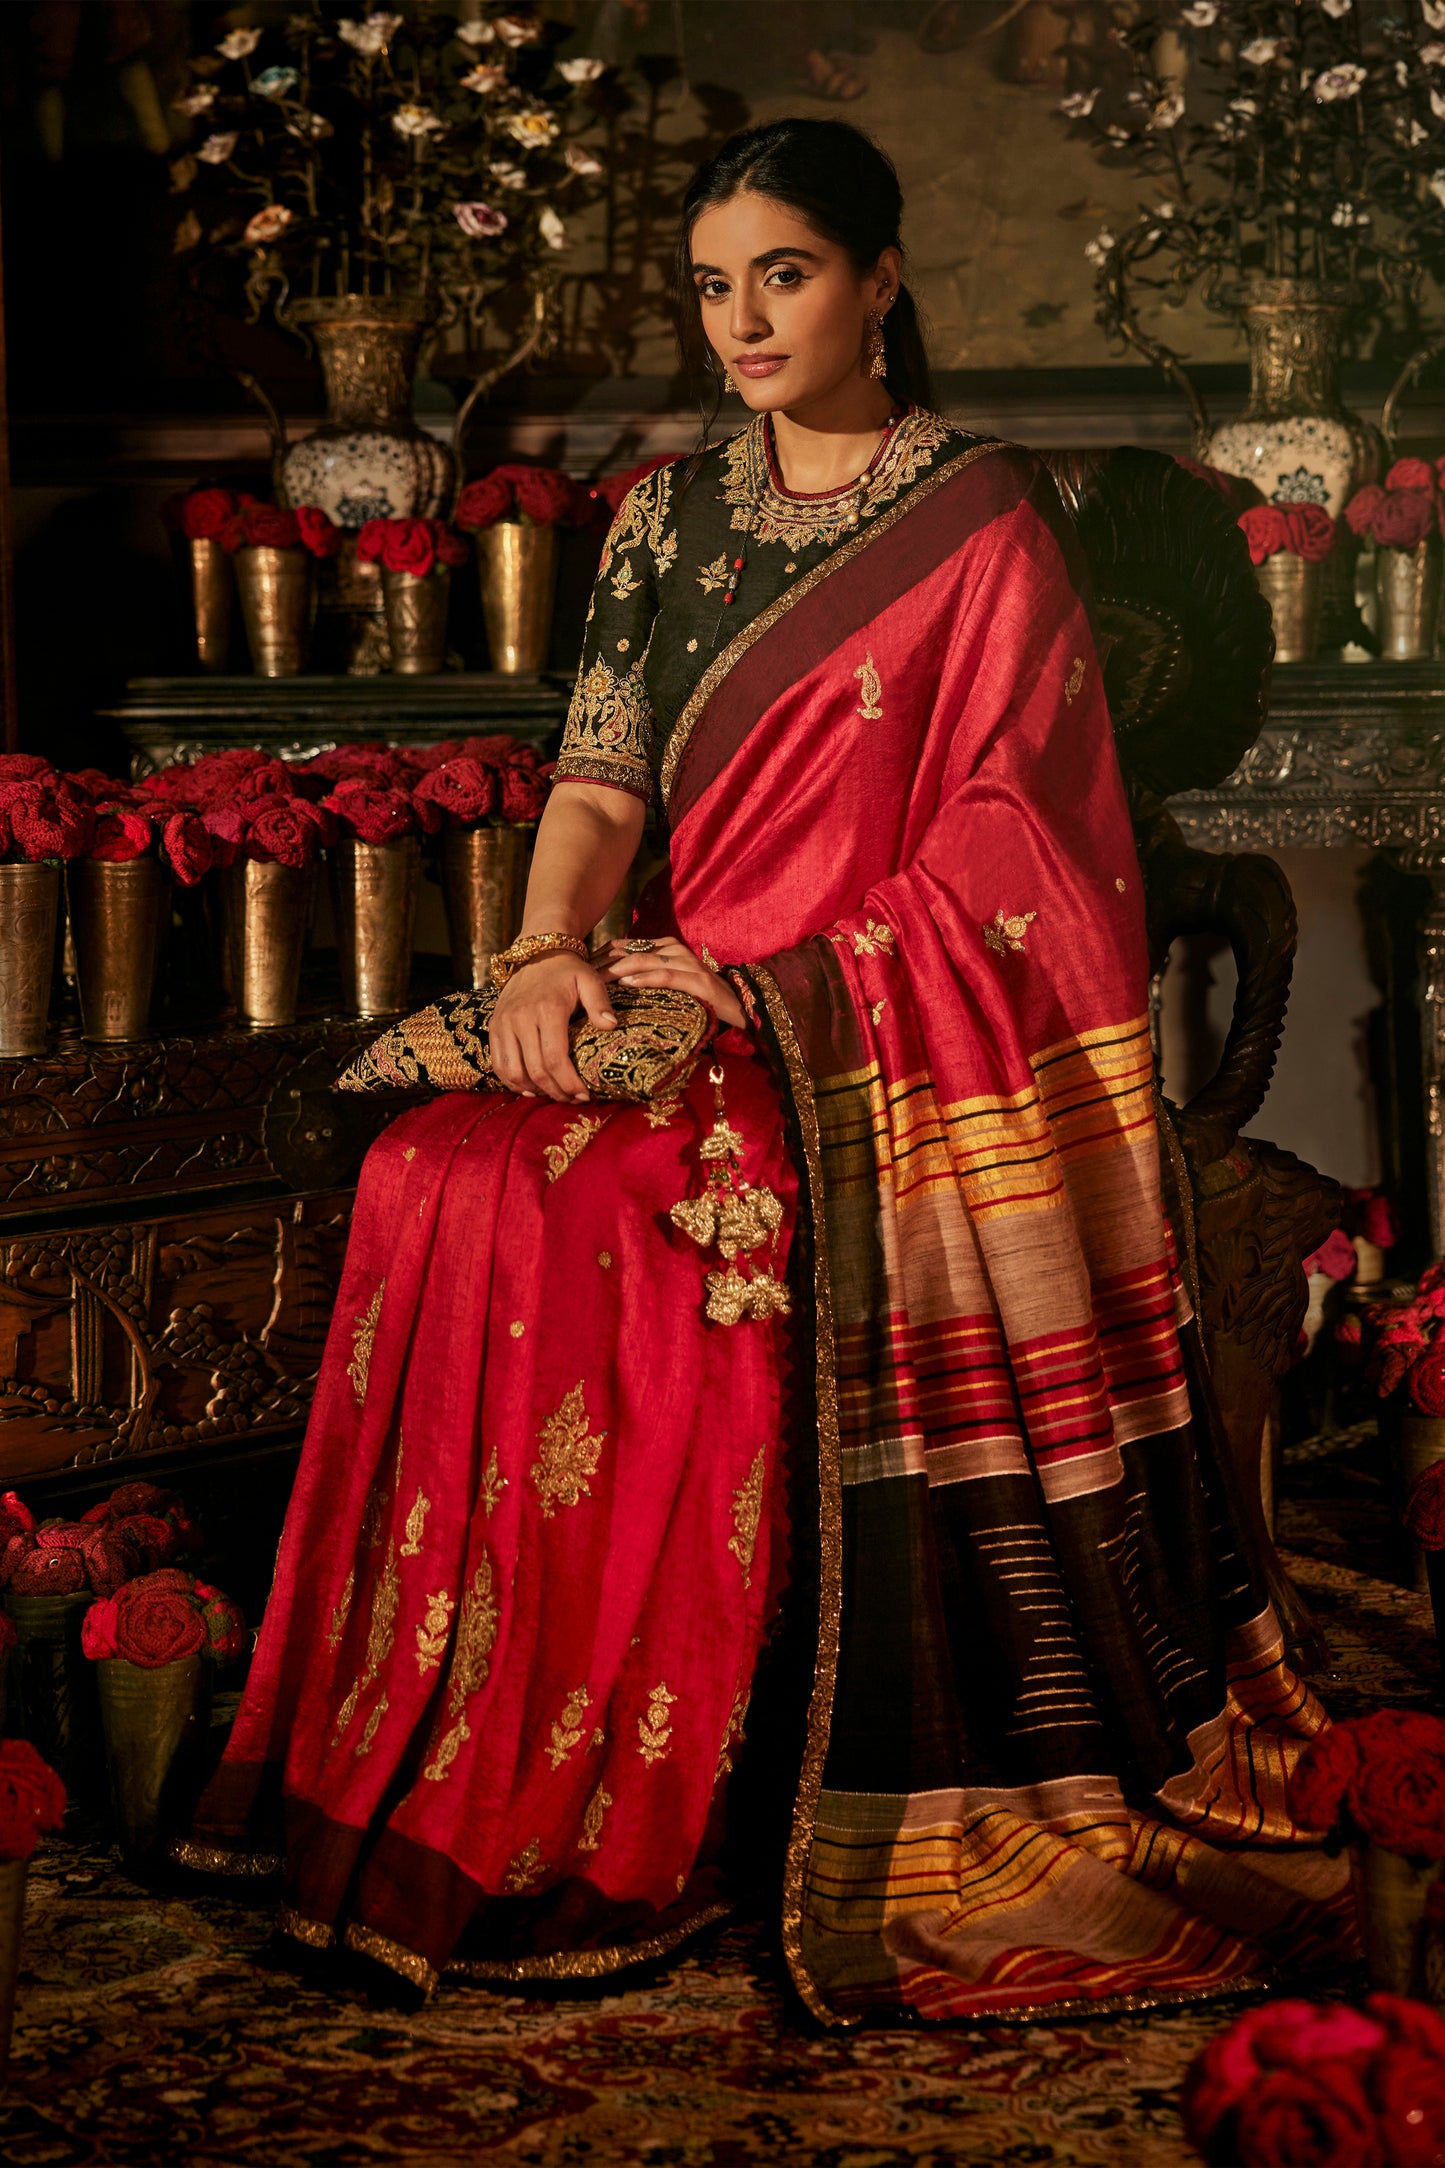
648, 1054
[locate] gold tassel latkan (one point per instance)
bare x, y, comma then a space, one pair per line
737, 1219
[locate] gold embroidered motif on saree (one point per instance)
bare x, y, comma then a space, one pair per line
769, 514
568, 1454
373, 1724
604, 1259
342, 1612
654, 1730
711, 577
493, 1485
592, 1815
471, 1664
569, 1726
1074, 683
871, 686
747, 1514
362, 1342
660, 1112
525, 1870
599, 1738
575, 1139
380, 1634
876, 1012
732, 1735
873, 939
415, 1523
1008, 932
409, 1153
431, 1635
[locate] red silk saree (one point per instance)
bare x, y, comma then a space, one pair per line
537, 1551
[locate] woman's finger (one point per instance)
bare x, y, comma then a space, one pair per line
539, 1083
557, 1056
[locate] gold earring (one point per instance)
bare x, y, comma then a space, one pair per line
877, 359
728, 384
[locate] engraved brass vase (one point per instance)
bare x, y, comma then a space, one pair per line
517, 568
1294, 589
213, 597
373, 887
265, 916
12, 1922
1391, 1898
275, 589
118, 914
484, 882
1407, 600
29, 913
146, 1717
52, 1691
416, 619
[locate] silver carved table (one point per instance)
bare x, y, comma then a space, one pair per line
1353, 753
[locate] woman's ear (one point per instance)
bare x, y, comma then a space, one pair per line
888, 274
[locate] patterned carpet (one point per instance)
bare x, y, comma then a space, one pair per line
154, 2031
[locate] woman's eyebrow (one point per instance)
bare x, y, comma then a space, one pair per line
759, 263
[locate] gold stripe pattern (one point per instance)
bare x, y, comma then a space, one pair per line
314, 1933
220, 1859
394, 1955
587, 1964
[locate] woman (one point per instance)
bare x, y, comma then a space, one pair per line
562, 1463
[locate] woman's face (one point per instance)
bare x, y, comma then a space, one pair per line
783, 308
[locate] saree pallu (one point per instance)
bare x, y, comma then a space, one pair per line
1051, 1720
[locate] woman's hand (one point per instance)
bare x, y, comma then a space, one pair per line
528, 1032
670, 962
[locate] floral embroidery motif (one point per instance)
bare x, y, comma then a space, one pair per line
872, 938
362, 1342
380, 1635
655, 1729
415, 1522
575, 1139
568, 1729
471, 1663
1008, 933
660, 1112
869, 707
409, 1153
711, 577
624, 581
641, 517
876, 1012
1074, 683
342, 1612
747, 1513
732, 1735
516, 1328
493, 1485
609, 724
592, 1815
604, 1259
525, 1870
773, 516
568, 1455
664, 554
373, 1725
431, 1635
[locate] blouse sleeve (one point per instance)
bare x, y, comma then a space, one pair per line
610, 730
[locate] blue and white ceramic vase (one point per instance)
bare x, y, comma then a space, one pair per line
368, 460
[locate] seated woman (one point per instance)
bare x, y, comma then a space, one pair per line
926, 1437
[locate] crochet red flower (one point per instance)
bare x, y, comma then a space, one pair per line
120, 834
1411, 474
483, 502
156, 1624
1309, 531
1319, 1780
319, 534
266, 526
1427, 1381
1403, 518
204, 512
373, 812
32, 1799
463, 791
187, 847
1264, 529
1396, 1795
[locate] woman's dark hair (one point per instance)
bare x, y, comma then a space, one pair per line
837, 179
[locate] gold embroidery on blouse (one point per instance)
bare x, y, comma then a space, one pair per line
873, 937
747, 1513
655, 1729
1008, 933
342, 1612
493, 1485
470, 1666
609, 725
664, 554
362, 1341
431, 1635
415, 1522
380, 1635
711, 577
524, 1870
1074, 684
732, 1735
872, 688
568, 1455
771, 515
592, 1815
624, 581
575, 1139
373, 1723
641, 517
568, 1729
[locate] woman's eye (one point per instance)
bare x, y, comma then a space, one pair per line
712, 289
787, 275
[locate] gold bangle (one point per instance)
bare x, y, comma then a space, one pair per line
528, 948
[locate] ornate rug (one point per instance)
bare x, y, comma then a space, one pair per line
154, 2031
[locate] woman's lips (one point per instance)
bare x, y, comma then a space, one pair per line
759, 364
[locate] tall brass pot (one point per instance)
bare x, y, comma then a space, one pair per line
1294, 590
12, 1922
29, 913
517, 568
147, 1715
1413, 1444
416, 619
52, 1690
265, 914
275, 588
1407, 600
484, 882
1391, 1896
118, 913
213, 597
373, 887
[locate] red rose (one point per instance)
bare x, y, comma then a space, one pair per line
269, 527
524, 794
46, 822
1264, 530
375, 814
318, 533
483, 502
452, 548
374, 764
61, 1535
409, 547
287, 831
1307, 2119
372, 541
1310, 531
1375, 1218
273, 779
1404, 518
1317, 1784
1411, 474
187, 847
545, 497
103, 789
109, 1562
48, 1572
1293, 2035
16, 1518
157, 1623
1408, 2088
1386, 1369
463, 791
1362, 507
1414, 2022
204, 512
1350, 1335
1427, 1381
614, 487
1397, 1792
32, 1799
225, 1626
1233, 2061
152, 1539
141, 1497
119, 835
24, 767
97, 1631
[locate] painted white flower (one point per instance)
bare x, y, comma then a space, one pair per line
1436, 184
1097, 250
1166, 210
236, 44
268, 224
416, 120
309, 127
1244, 108
531, 130
582, 162
1079, 104
489, 75
551, 228
1337, 8
1437, 104
275, 82
1169, 110
1115, 134
518, 29
1434, 14
371, 35
507, 176
581, 71
199, 100
479, 220
1260, 51
1201, 14
217, 149
1414, 135
1336, 83
1402, 75
1347, 214
475, 34
1433, 55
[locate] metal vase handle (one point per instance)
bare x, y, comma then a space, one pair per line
1423, 355
1164, 358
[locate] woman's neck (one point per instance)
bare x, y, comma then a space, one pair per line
830, 441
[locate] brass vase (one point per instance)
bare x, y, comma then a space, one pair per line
265, 915
275, 589
484, 882
52, 1690
416, 619
373, 887
213, 597
29, 913
1407, 600
517, 568
1391, 1896
1415, 1442
118, 914
146, 1717
12, 1923
1293, 588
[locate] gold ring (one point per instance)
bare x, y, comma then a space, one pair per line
639, 948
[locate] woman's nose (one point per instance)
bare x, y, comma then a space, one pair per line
749, 320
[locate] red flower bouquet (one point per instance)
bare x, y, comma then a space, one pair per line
274, 827
1378, 1778
274, 527
1305, 530
203, 515
43, 815
378, 812
471, 780
1400, 1346
537, 496
161, 1618
32, 1799
1402, 513
416, 546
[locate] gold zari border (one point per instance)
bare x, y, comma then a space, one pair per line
585, 1964
217, 1859
314, 1933
394, 1955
